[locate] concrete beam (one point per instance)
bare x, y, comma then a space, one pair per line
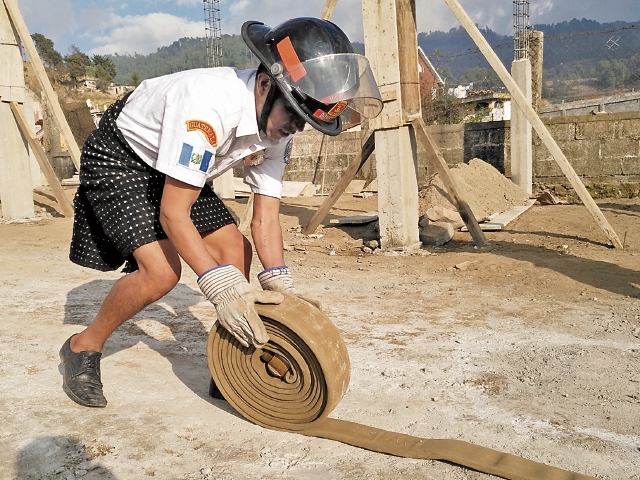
397, 188
16, 190
521, 132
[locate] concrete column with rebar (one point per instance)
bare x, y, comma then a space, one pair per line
16, 191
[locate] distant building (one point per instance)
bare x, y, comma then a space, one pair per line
88, 84
430, 81
119, 89
486, 106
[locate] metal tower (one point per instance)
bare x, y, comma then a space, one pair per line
212, 31
521, 29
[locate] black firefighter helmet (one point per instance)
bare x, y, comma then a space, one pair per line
315, 67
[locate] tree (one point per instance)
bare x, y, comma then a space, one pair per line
612, 74
49, 56
482, 78
104, 67
76, 62
105, 71
134, 79
446, 75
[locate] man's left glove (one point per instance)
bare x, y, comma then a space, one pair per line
234, 298
279, 279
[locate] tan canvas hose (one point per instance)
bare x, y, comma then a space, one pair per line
299, 378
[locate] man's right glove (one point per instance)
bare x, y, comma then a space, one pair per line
234, 298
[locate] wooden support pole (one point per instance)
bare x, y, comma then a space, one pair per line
327, 11
43, 79
43, 161
245, 221
535, 120
437, 160
343, 183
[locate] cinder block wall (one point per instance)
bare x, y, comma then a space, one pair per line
603, 149
316, 158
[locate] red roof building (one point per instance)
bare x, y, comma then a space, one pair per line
430, 81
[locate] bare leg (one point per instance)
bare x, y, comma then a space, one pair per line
158, 272
228, 246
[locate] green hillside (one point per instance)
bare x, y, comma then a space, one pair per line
572, 49
183, 54
606, 54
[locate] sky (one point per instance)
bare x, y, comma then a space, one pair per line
142, 26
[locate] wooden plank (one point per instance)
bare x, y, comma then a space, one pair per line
43, 161
355, 186
327, 11
437, 160
503, 219
245, 221
43, 79
347, 176
355, 219
535, 120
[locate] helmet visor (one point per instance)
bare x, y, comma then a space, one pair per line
341, 80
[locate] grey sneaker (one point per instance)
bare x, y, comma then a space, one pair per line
81, 380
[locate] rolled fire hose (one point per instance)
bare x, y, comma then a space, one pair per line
300, 376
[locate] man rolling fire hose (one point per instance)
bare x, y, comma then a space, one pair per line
294, 382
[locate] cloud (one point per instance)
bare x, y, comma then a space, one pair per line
142, 34
540, 8
53, 23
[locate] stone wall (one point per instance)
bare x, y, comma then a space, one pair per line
322, 159
604, 150
458, 143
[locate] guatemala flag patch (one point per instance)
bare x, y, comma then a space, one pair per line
194, 158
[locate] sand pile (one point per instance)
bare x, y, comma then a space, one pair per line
486, 190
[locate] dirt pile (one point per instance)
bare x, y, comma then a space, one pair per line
484, 188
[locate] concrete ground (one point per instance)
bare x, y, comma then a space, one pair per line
530, 346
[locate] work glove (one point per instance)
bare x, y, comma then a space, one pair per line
279, 279
235, 298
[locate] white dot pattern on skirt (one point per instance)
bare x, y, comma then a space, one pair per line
117, 205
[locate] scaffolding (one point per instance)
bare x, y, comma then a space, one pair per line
212, 31
521, 28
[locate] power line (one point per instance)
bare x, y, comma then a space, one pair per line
558, 36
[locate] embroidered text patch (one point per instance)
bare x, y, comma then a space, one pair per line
206, 129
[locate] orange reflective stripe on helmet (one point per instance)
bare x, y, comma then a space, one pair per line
333, 112
290, 59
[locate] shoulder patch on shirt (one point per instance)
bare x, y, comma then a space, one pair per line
194, 158
287, 152
207, 130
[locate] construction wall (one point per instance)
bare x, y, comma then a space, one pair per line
603, 149
623, 102
321, 159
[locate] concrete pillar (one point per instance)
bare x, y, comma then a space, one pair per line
224, 185
16, 191
397, 188
390, 40
536, 49
521, 132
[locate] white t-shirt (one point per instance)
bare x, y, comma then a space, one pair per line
195, 125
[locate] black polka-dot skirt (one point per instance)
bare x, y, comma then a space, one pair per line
117, 204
